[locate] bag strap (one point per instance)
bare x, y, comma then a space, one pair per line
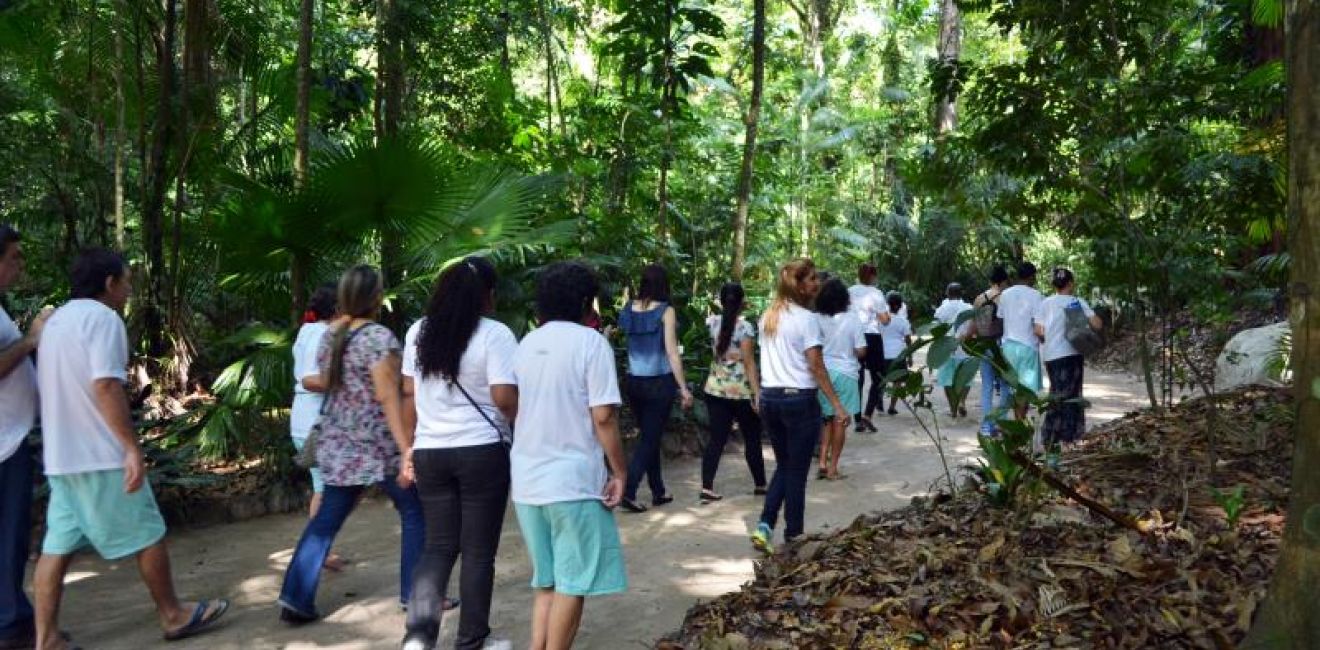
482, 411
325, 403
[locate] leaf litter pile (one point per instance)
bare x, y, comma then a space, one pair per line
958, 573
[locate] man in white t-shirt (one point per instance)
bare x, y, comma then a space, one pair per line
1021, 348
868, 303
18, 412
99, 495
562, 491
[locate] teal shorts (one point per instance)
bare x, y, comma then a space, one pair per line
92, 509
1025, 362
574, 547
850, 394
318, 485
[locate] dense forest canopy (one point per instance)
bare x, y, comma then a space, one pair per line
244, 151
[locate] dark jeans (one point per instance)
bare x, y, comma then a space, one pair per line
337, 502
16, 527
874, 365
464, 492
792, 420
723, 412
651, 400
1065, 419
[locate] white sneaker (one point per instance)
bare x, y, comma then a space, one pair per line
497, 644
416, 643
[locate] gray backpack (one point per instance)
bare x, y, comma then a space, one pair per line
987, 321
1078, 331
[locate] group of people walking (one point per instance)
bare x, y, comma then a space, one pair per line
431, 422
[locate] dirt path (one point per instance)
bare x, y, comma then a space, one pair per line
676, 554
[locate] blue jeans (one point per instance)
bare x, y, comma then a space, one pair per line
989, 383
792, 420
16, 522
651, 400
337, 502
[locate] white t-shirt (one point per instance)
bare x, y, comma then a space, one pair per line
741, 330
18, 393
784, 354
866, 303
563, 371
306, 404
1051, 316
894, 335
948, 313
1017, 308
83, 341
445, 418
842, 334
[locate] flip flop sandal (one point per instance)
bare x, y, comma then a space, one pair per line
822, 474
201, 620
838, 477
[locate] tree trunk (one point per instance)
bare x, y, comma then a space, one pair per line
301, 134
950, 50
1288, 619
389, 87
752, 121
153, 211
121, 134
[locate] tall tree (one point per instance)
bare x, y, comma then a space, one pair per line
158, 175
301, 127
949, 51
751, 121
1288, 619
389, 118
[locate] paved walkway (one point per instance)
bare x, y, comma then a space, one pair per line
676, 554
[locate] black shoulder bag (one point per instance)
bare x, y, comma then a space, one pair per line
306, 457
506, 439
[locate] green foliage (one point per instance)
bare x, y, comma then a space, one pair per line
1232, 501
1001, 477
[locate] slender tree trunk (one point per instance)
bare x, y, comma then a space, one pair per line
121, 110
949, 52
752, 121
390, 85
301, 135
157, 172
1288, 619
668, 97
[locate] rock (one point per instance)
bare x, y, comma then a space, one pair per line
1246, 359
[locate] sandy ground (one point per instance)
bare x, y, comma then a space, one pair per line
677, 554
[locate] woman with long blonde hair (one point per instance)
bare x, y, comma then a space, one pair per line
793, 372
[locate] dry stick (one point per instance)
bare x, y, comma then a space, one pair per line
1068, 491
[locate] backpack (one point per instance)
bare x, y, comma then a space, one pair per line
1077, 329
987, 321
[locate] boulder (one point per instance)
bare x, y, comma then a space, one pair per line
1246, 360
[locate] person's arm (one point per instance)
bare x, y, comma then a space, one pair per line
112, 404
816, 362
385, 376
605, 421
408, 405
12, 355
675, 359
505, 397
883, 317
314, 383
748, 348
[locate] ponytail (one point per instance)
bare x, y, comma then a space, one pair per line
461, 296
731, 302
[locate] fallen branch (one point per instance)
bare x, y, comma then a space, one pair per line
1068, 491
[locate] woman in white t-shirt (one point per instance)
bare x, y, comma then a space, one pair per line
1065, 421
733, 391
844, 345
895, 334
307, 388
792, 371
459, 388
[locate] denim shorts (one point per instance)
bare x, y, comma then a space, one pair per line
574, 547
92, 509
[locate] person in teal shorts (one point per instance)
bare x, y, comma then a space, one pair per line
99, 494
567, 430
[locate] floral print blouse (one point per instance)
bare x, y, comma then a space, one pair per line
355, 446
728, 377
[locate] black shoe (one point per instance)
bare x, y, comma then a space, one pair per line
759, 491
708, 496
893, 411
296, 618
632, 506
661, 500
